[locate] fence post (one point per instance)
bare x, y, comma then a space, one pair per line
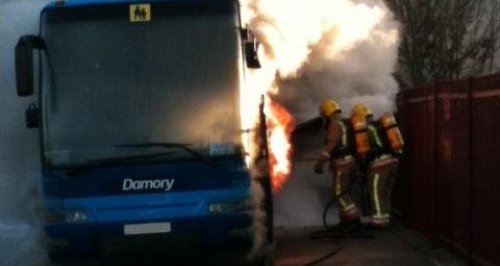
434, 165
470, 176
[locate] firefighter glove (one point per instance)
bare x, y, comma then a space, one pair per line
318, 168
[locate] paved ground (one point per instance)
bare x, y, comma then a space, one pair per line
396, 246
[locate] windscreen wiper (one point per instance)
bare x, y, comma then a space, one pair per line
115, 160
168, 145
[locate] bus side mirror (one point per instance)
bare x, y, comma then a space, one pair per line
32, 116
251, 56
24, 63
251, 48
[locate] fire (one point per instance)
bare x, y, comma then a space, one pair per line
288, 30
280, 123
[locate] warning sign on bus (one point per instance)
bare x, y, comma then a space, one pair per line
140, 13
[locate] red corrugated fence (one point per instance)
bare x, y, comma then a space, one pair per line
449, 177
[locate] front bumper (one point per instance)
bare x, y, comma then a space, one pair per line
211, 231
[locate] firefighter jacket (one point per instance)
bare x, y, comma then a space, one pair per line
336, 142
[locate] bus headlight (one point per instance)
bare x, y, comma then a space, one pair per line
67, 216
78, 216
226, 207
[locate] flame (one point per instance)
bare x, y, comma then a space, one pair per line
280, 124
288, 30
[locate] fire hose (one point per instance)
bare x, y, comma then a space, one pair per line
335, 199
328, 228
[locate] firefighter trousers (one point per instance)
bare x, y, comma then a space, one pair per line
343, 169
381, 175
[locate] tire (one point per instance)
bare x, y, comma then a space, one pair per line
265, 258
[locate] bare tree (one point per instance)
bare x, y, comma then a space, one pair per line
446, 39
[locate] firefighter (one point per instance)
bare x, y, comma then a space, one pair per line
342, 164
379, 167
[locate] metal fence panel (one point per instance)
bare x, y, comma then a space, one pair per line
452, 165
486, 171
417, 162
400, 192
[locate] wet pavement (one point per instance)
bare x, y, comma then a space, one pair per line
295, 247
395, 246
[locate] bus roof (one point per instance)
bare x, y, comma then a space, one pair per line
77, 3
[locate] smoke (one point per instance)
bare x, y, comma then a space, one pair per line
20, 228
360, 74
315, 50
344, 50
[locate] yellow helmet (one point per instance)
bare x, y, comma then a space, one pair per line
361, 110
328, 107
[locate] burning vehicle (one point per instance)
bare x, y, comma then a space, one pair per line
162, 119
141, 125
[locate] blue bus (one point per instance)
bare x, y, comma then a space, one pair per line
139, 117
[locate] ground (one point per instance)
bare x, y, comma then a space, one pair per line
395, 246
294, 247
